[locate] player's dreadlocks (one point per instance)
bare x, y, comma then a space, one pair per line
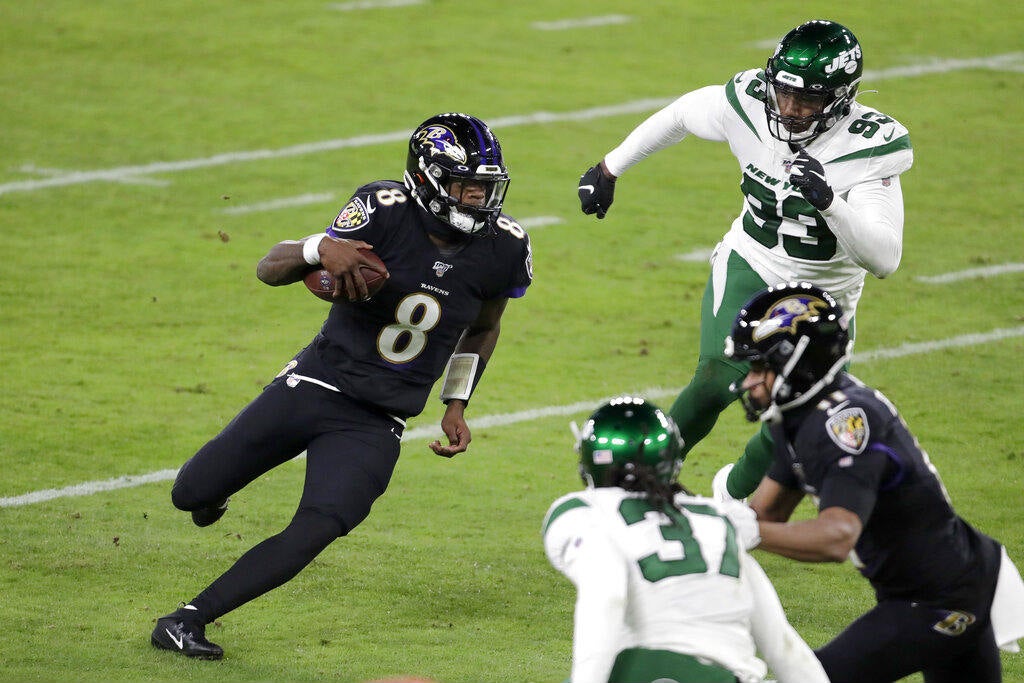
642, 478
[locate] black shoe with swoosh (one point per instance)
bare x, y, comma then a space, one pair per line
172, 633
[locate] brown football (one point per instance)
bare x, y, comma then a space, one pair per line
321, 282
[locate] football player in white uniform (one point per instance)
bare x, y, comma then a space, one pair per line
822, 199
665, 588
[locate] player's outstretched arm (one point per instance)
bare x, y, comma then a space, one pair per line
478, 340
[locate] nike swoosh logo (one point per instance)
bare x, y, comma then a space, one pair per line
589, 188
370, 208
180, 642
836, 408
889, 136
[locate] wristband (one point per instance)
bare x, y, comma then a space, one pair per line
461, 376
311, 249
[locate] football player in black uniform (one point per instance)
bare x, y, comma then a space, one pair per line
880, 502
454, 262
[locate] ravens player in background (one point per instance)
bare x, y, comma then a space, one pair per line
946, 593
665, 591
454, 261
820, 176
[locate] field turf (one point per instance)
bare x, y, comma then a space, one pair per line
153, 152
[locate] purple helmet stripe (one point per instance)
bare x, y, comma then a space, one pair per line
482, 140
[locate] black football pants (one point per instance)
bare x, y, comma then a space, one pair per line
351, 452
897, 638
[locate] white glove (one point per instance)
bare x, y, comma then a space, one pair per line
745, 520
719, 490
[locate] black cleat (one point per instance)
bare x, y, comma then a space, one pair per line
208, 515
172, 633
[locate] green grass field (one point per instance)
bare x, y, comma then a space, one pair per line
153, 152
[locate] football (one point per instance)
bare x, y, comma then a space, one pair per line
321, 282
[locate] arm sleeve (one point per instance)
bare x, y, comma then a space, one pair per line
696, 112
600, 610
587, 557
869, 225
855, 487
789, 657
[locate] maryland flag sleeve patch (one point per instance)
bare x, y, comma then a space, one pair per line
352, 217
849, 430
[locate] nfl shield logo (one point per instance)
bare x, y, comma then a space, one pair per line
440, 268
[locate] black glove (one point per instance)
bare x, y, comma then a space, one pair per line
808, 176
596, 191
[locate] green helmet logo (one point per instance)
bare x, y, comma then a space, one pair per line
626, 432
812, 80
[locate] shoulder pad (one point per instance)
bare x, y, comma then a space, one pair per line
743, 78
746, 93
367, 200
561, 506
506, 223
751, 83
873, 138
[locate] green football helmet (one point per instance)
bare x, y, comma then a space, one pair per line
625, 432
819, 64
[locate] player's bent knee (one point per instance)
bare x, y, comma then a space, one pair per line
190, 492
185, 498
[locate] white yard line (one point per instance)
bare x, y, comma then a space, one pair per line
971, 273
503, 419
696, 256
534, 222
283, 203
702, 256
582, 22
1013, 61
373, 4
950, 343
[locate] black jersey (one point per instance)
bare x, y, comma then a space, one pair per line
853, 450
389, 351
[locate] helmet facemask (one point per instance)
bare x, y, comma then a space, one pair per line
451, 206
818, 64
801, 130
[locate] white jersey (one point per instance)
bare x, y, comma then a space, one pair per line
778, 232
685, 585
